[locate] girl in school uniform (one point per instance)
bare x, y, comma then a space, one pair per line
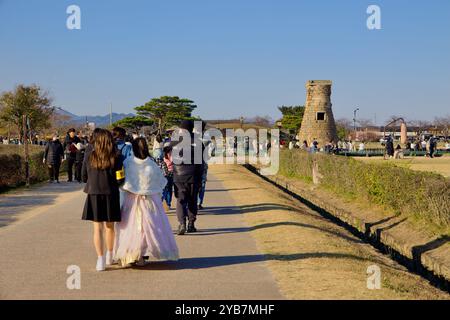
102, 206
144, 230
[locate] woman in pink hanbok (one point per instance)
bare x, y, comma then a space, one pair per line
144, 230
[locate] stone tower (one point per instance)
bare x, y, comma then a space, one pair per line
318, 121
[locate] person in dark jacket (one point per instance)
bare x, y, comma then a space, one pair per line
79, 156
71, 151
187, 178
102, 206
53, 156
390, 147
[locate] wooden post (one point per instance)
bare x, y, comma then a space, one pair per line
27, 155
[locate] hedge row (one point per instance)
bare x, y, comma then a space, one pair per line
403, 190
12, 170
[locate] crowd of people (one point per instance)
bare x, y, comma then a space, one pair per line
129, 189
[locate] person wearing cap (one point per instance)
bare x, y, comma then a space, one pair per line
187, 178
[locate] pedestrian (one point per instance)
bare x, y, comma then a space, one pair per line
158, 147
168, 190
145, 230
187, 178
362, 147
433, 145
291, 145
70, 150
201, 194
101, 163
390, 147
304, 146
79, 157
119, 135
53, 156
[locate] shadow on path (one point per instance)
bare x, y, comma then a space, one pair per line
212, 262
18, 201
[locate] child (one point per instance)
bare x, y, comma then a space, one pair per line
100, 164
144, 229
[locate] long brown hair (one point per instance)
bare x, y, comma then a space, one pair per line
104, 154
140, 148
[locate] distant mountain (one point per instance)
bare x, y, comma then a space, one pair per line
99, 120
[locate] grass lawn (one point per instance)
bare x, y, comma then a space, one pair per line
439, 165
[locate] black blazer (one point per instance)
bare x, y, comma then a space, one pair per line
187, 172
100, 181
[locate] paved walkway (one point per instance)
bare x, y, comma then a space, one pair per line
41, 234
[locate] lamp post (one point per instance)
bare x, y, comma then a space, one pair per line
354, 120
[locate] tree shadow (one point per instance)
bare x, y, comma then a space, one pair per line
245, 209
212, 262
231, 189
418, 251
379, 231
15, 203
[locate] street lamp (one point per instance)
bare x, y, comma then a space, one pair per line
354, 120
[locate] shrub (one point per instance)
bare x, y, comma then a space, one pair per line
406, 192
12, 166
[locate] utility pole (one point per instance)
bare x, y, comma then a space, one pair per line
27, 155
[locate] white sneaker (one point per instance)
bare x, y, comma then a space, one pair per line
109, 258
101, 262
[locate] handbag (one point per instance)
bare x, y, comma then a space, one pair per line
120, 176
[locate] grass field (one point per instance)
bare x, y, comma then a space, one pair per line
439, 165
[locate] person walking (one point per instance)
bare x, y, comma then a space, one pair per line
187, 177
390, 147
119, 135
70, 151
144, 230
201, 194
79, 157
102, 206
158, 147
53, 156
168, 190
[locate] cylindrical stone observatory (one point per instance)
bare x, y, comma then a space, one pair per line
318, 121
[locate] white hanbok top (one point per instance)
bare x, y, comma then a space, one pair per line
143, 177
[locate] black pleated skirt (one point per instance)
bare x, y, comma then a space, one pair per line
102, 208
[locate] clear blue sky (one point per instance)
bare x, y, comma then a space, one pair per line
232, 57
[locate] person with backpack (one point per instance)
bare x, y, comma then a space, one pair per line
119, 135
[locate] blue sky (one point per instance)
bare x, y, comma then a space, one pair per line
232, 57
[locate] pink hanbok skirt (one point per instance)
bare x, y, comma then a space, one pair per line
144, 230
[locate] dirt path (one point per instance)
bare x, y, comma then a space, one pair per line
311, 257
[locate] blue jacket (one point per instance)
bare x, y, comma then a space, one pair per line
125, 149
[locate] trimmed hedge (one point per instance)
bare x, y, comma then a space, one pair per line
12, 170
406, 192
